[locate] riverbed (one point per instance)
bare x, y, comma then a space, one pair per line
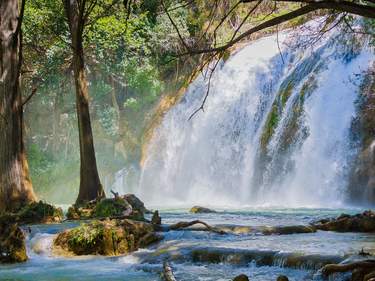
201, 255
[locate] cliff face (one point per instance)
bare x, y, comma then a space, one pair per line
362, 177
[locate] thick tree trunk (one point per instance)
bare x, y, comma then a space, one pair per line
15, 185
90, 187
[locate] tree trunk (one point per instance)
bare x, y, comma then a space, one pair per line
15, 185
90, 187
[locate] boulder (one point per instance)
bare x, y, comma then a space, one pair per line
282, 278
12, 242
127, 206
108, 238
364, 222
39, 212
241, 277
136, 203
112, 208
201, 210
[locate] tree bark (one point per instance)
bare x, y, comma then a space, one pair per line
90, 187
15, 185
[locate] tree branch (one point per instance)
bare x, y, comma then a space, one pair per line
168, 273
182, 224
270, 23
312, 5
33, 92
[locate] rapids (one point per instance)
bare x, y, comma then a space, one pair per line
261, 257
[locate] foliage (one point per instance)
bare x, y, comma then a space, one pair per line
40, 212
110, 208
86, 236
130, 54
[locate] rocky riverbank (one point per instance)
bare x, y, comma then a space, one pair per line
115, 233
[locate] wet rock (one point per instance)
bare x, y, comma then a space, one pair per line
361, 183
201, 210
261, 258
109, 238
241, 277
284, 230
364, 222
136, 203
156, 219
361, 270
12, 242
282, 278
268, 230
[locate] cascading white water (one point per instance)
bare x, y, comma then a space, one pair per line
221, 158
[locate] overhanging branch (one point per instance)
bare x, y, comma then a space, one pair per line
311, 5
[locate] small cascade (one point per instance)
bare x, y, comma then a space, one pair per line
275, 130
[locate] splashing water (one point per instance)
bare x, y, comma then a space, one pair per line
274, 131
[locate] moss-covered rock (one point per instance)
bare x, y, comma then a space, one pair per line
109, 238
39, 212
12, 241
128, 206
201, 210
270, 126
112, 208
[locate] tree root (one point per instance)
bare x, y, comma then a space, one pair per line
182, 224
368, 265
168, 273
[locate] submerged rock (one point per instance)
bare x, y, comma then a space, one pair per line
241, 277
364, 222
109, 238
201, 210
12, 242
261, 258
285, 230
127, 206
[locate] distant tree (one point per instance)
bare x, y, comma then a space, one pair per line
77, 14
15, 185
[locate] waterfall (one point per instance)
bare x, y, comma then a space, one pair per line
274, 131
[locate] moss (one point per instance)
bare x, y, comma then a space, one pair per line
271, 123
39, 212
110, 208
286, 93
12, 241
127, 205
109, 238
84, 238
308, 88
